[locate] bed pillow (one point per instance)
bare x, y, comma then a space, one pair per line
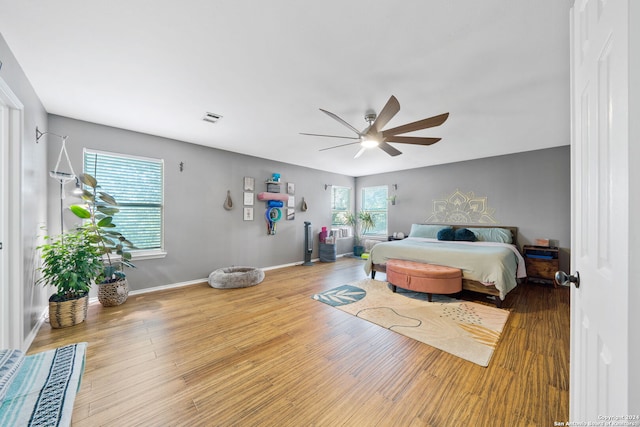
500, 235
464, 234
429, 231
446, 234
10, 362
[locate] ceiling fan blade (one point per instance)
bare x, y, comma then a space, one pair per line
333, 116
336, 146
329, 136
359, 153
413, 140
392, 151
420, 124
389, 110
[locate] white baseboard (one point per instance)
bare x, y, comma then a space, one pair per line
26, 343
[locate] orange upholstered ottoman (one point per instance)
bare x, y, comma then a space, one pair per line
420, 277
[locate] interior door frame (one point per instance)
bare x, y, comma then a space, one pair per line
11, 278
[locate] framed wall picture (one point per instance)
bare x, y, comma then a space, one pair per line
291, 188
249, 183
248, 214
291, 214
291, 202
248, 198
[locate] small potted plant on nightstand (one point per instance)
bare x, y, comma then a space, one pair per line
113, 289
70, 263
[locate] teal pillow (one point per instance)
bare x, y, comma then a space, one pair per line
429, 231
446, 234
500, 235
464, 234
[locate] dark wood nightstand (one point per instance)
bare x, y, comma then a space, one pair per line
541, 262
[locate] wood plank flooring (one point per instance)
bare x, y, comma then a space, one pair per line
269, 355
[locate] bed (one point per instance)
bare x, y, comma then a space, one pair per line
489, 258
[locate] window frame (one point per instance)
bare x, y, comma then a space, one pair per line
136, 254
363, 190
335, 212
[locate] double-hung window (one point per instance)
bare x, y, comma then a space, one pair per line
137, 184
374, 201
340, 204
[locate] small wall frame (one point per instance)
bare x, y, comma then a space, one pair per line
249, 183
248, 214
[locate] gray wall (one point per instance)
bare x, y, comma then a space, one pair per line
33, 174
530, 190
200, 235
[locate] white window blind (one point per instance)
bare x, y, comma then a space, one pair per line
137, 185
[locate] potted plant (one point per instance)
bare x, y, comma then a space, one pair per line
70, 263
113, 288
361, 222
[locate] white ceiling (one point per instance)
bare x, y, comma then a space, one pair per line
500, 67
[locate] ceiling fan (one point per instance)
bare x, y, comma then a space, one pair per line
374, 136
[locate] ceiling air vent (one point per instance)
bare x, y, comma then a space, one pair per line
211, 117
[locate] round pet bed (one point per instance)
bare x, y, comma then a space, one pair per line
235, 277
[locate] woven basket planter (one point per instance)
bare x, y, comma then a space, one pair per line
68, 313
112, 294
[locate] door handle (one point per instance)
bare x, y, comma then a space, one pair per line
564, 279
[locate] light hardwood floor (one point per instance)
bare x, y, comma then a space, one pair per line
269, 355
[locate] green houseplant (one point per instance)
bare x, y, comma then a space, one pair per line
70, 263
361, 223
113, 288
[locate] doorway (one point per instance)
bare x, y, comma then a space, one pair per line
11, 305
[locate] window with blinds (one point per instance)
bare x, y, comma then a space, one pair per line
374, 201
137, 185
340, 204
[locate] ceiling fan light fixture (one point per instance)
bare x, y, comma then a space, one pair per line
370, 143
375, 135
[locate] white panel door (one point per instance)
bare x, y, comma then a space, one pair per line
600, 189
4, 226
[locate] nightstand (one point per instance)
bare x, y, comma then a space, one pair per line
541, 262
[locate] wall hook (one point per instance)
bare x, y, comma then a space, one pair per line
41, 134
181, 166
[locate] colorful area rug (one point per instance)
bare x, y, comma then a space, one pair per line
465, 329
42, 389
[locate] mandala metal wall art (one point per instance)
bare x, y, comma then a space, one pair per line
461, 208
